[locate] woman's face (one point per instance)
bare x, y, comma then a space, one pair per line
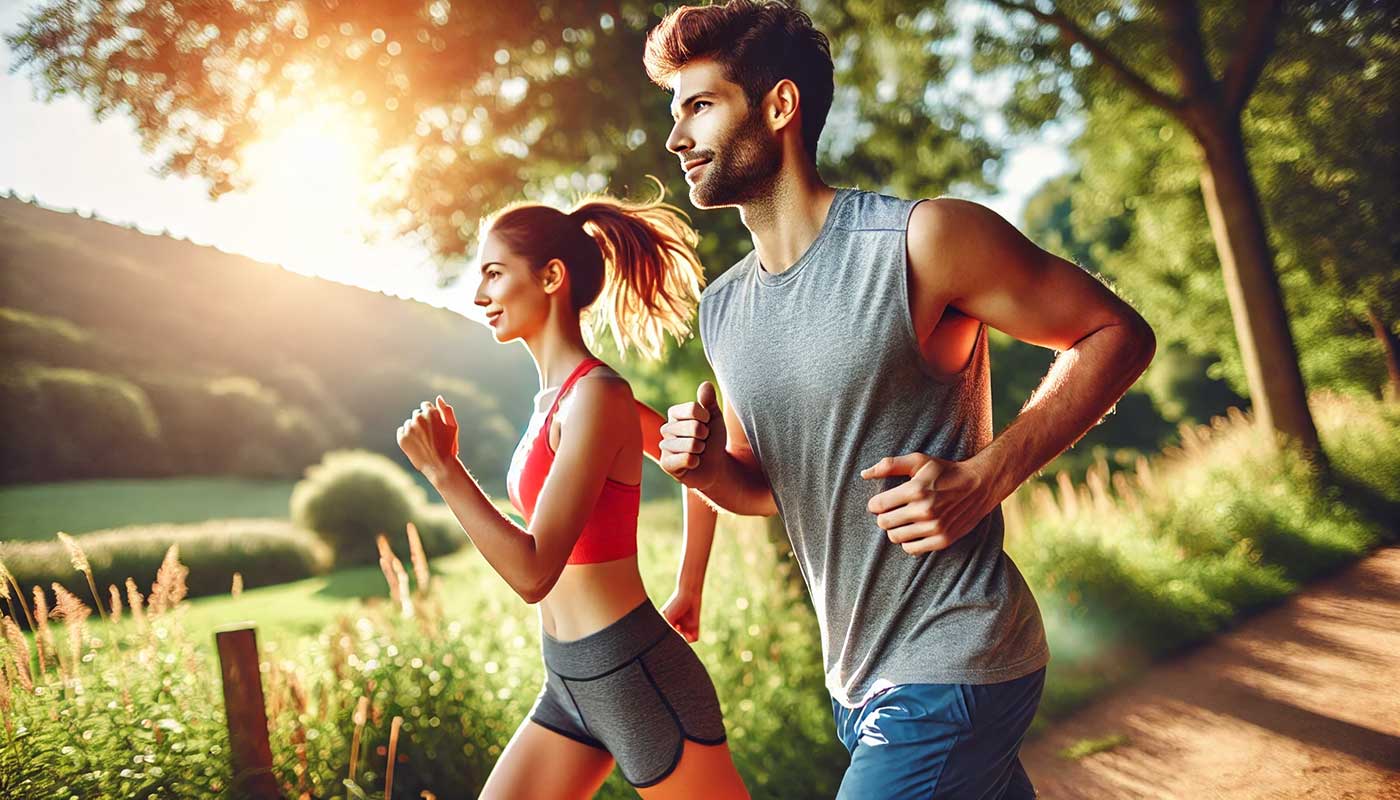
511, 292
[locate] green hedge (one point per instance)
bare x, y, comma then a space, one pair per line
264, 551
232, 425
59, 423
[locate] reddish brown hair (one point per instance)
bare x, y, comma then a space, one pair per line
757, 44
638, 257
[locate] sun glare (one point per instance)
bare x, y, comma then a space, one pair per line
312, 177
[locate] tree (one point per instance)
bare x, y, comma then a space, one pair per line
1066, 53
1068, 216
1323, 155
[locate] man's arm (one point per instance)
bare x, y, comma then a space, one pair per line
965, 256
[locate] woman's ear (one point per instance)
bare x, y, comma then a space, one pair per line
551, 275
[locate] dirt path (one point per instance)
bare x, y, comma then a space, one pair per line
1302, 701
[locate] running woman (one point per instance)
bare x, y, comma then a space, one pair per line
621, 683
851, 348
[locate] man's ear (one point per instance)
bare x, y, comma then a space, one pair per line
551, 275
781, 105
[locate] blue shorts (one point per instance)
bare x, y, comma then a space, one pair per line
940, 740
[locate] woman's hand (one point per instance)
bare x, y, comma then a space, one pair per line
682, 611
429, 437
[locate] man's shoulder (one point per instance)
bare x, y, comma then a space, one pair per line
727, 278
864, 210
944, 216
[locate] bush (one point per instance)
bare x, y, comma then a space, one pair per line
353, 496
59, 423
439, 529
26, 336
264, 551
232, 425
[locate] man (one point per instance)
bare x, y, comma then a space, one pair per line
851, 349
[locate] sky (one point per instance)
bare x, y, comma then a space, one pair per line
304, 211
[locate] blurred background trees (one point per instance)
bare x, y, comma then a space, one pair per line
1233, 162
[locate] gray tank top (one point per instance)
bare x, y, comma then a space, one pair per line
822, 364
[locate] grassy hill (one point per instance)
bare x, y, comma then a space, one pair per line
136, 355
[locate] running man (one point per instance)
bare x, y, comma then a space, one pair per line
851, 349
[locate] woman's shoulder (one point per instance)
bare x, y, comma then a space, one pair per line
602, 393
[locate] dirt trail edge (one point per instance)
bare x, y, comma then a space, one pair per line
1302, 701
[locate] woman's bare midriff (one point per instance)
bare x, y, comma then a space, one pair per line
590, 597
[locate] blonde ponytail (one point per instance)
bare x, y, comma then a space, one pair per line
652, 276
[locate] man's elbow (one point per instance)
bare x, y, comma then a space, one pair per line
1142, 343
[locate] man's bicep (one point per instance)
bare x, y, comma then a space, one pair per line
990, 271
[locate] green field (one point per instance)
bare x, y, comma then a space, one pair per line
463, 579
39, 510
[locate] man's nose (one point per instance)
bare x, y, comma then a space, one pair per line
679, 141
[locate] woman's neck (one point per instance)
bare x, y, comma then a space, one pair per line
557, 350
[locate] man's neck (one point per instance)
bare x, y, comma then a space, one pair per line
786, 220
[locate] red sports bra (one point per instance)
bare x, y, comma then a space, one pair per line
611, 530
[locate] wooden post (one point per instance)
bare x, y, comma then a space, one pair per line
247, 716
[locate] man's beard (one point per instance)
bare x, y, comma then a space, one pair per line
742, 167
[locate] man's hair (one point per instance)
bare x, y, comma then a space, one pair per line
757, 43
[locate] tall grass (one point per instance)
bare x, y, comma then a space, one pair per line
1130, 566
460, 667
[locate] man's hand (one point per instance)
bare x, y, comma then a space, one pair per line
689, 428
941, 502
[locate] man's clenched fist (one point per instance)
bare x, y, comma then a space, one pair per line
689, 428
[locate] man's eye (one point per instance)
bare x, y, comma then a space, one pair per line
698, 103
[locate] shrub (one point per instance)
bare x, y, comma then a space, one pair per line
1170, 556
353, 496
264, 551
59, 423
439, 529
232, 425
27, 336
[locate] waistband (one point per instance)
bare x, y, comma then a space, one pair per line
606, 650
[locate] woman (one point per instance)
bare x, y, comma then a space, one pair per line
621, 683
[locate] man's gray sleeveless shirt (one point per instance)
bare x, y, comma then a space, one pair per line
822, 364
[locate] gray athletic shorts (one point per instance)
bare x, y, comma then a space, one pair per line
634, 689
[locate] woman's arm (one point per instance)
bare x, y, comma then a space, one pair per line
682, 610
529, 560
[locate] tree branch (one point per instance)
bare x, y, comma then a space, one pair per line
1070, 30
1261, 23
1187, 50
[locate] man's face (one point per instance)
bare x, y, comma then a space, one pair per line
728, 155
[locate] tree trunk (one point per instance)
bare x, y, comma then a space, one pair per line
1391, 343
1276, 389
